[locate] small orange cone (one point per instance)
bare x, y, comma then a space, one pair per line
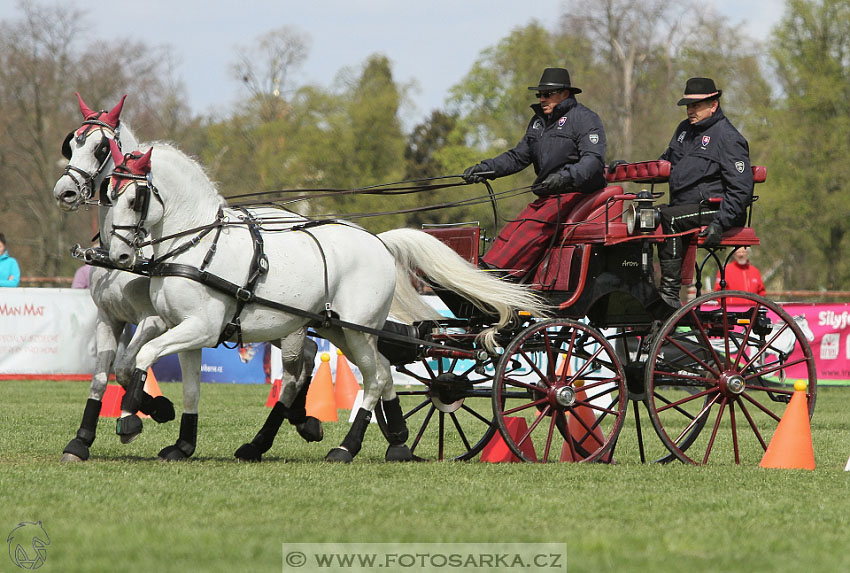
791, 445
345, 385
320, 397
497, 451
274, 393
111, 401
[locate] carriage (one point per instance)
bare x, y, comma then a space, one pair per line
714, 376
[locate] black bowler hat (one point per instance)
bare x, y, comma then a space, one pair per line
555, 79
699, 89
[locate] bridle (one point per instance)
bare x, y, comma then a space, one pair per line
144, 192
83, 180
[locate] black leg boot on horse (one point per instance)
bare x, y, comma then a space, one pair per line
353, 441
77, 449
397, 432
185, 446
308, 427
136, 399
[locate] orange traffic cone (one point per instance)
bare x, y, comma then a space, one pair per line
274, 393
111, 401
320, 397
497, 451
345, 385
791, 445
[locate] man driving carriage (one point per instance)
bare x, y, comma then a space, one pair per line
708, 158
565, 141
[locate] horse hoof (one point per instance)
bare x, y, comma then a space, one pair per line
311, 430
339, 455
128, 428
163, 410
248, 453
399, 453
172, 454
75, 451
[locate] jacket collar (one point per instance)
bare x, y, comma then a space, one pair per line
709, 121
560, 110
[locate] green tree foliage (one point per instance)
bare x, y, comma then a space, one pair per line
807, 206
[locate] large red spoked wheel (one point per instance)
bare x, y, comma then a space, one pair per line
449, 416
726, 362
561, 375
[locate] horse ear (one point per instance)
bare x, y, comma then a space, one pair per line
86, 110
112, 115
143, 165
117, 156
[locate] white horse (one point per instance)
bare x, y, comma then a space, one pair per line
331, 275
123, 298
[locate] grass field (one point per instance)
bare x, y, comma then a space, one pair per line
123, 509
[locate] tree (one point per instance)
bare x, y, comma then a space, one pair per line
807, 204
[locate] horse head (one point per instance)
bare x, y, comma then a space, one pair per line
87, 152
132, 211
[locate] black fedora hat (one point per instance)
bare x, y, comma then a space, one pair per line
555, 79
699, 89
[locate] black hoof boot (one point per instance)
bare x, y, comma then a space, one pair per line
339, 455
75, 451
185, 446
310, 429
399, 453
128, 428
249, 453
160, 409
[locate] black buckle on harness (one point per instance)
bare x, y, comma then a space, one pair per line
243, 294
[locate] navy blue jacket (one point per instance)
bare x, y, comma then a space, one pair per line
570, 141
711, 159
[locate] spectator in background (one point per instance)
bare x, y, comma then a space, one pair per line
82, 277
10, 272
741, 275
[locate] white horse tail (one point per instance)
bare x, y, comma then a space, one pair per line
416, 250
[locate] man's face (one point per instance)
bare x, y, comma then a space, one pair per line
549, 99
701, 110
742, 257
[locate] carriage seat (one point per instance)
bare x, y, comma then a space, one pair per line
595, 218
464, 239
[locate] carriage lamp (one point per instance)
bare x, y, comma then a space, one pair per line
642, 217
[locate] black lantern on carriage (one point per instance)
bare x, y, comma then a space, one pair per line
642, 217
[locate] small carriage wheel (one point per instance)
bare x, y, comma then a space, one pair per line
725, 363
449, 417
560, 374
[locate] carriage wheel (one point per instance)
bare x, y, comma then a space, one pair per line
727, 369
560, 374
449, 417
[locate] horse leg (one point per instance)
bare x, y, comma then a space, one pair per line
299, 354
106, 341
187, 441
397, 432
135, 398
188, 335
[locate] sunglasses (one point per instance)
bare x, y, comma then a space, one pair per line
547, 94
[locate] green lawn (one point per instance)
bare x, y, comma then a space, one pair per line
123, 509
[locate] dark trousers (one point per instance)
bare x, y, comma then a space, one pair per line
678, 219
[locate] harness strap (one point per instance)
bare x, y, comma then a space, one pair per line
227, 287
328, 312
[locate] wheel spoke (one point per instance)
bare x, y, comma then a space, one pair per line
460, 431
761, 407
422, 428
734, 433
752, 425
714, 431
475, 414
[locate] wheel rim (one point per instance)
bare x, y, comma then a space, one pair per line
534, 395
449, 417
718, 379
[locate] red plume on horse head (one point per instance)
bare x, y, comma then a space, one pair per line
136, 162
110, 117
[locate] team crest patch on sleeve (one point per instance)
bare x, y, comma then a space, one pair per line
681, 137
705, 140
537, 124
594, 138
739, 165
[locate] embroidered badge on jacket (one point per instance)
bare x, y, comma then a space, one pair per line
681, 137
561, 121
705, 140
739, 165
594, 138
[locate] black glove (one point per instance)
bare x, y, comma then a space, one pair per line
469, 175
613, 165
552, 185
712, 234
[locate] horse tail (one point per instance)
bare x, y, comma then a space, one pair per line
416, 250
